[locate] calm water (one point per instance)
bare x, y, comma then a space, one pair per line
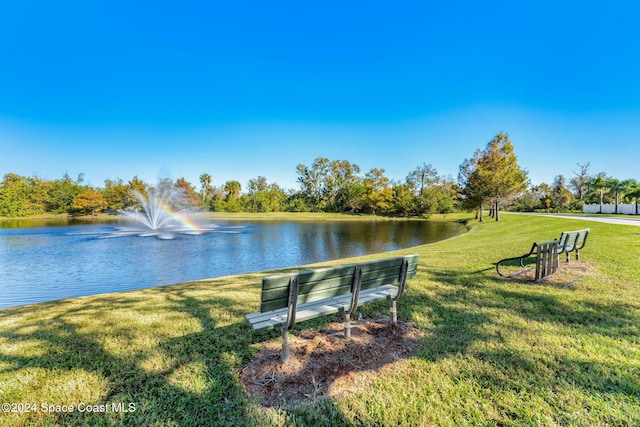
44, 261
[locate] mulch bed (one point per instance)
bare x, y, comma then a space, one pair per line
322, 363
568, 274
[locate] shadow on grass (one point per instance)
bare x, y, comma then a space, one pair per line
465, 318
160, 395
173, 352
185, 372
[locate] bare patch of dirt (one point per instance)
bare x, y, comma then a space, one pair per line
321, 359
568, 274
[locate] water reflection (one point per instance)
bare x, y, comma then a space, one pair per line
52, 261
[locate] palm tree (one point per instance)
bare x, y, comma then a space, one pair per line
233, 189
619, 187
614, 185
633, 193
205, 180
599, 183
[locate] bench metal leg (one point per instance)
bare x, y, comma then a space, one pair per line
285, 344
347, 325
394, 312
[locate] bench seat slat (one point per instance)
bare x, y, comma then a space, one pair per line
259, 317
386, 290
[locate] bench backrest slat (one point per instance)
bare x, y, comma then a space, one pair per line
329, 282
572, 239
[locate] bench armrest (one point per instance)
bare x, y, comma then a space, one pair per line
520, 258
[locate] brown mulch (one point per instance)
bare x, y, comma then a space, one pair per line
568, 274
322, 363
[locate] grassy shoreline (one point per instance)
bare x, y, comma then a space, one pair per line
494, 352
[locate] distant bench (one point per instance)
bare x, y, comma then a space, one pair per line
290, 298
547, 254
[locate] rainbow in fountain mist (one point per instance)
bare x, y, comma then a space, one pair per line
160, 219
157, 213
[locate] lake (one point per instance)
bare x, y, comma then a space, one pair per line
44, 260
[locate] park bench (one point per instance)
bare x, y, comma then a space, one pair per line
572, 241
291, 298
546, 260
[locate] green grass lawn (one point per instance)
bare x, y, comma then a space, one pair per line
494, 351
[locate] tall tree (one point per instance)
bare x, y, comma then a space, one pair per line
62, 192
615, 185
442, 196
581, 180
116, 194
493, 175
135, 184
474, 185
329, 185
404, 200
506, 178
21, 196
378, 193
186, 195
561, 196
619, 187
352, 196
420, 180
597, 185
232, 188
263, 197
257, 185
633, 194
313, 181
343, 184
205, 182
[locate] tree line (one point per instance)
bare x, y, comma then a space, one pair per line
324, 186
490, 179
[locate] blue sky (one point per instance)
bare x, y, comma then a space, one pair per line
174, 89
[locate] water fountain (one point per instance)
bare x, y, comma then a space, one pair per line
155, 212
158, 217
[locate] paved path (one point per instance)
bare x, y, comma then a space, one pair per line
605, 219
